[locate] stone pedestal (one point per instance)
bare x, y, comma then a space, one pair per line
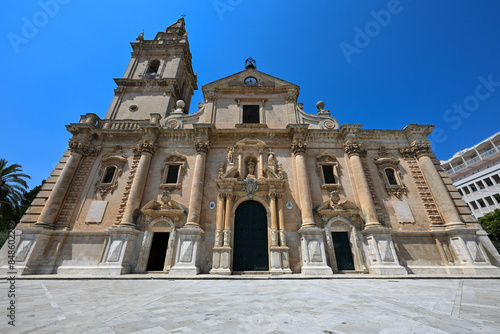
280, 260
222, 260
30, 245
117, 254
382, 256
313, 253
187, 250
472, 258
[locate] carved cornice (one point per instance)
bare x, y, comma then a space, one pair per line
354, 149
145, 147
299, 147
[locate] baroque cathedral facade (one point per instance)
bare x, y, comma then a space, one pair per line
247, 182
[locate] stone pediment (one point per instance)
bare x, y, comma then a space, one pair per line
265, 83
166, 207
334, 207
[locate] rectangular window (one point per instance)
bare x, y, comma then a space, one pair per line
172, 174
496, 178
480, 185
488, 182
489, 200
328, 174
460, 191
473, 187
497, 198
251, 114
474, 205
466, 190
481, 203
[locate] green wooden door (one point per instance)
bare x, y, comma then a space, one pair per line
343, 252
250, 252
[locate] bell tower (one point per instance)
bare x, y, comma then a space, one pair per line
159, 73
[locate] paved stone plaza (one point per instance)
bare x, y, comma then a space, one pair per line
256, 306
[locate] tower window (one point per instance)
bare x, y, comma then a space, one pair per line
328, 174
391, 176
172, 174
251, 114
110, 173
153, 67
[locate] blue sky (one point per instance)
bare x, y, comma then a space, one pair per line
383, 64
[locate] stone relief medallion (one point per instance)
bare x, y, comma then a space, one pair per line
329, 125
172, 124
289, 205
250, 186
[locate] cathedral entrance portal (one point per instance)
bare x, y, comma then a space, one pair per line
250, 238
343, 252
158, 251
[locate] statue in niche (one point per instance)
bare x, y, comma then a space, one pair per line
221, 171
230, 155
271, 157
281, 174
251, 168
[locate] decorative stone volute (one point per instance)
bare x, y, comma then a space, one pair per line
417, 149
81, 148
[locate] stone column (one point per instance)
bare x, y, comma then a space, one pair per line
274, 220
281, 220
221, 201
197, 187
227, 223
56, 198
146, 149
299, 149
354, 150
439, 191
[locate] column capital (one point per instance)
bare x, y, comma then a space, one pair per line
417, 149
81, 148
299, 146
146, 146
354, 148
202, 147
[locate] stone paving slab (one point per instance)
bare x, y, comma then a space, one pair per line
322, 306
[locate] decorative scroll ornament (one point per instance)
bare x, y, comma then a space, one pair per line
352, 148
202, 147
146, 146
396, 191
299, 147
250, 186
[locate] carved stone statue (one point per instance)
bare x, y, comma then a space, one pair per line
271, 157
221, 171
251, 168
230, 155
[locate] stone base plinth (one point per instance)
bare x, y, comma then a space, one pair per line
221, 260
187, 251
280, 260
382, 256
313, 253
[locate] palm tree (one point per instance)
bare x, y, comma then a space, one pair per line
13, 185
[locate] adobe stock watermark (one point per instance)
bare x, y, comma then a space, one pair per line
363, 37
222, 6
11, 280
456, 115
30, 27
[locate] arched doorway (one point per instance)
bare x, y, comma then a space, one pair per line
250, 251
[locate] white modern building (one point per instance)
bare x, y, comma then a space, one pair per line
475, 172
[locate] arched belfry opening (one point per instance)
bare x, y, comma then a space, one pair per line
251, 251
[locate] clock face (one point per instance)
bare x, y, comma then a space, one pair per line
250, 81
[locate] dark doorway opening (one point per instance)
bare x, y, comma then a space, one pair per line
250, 238
158, 251
343, 252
